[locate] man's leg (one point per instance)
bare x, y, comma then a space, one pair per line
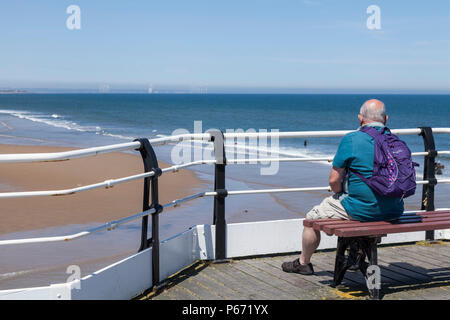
330, 207
310, 242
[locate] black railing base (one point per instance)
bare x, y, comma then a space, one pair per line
428, 174
158, 286
219, 199
430, 241
150, 200
219, 261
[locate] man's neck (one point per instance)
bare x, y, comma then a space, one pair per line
373, 124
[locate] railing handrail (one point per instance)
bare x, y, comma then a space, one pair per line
107, 226
174, 168
105, 184
67, 155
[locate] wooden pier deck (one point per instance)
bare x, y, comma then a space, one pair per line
418, 271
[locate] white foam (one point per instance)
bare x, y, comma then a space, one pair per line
9, 275
57, 121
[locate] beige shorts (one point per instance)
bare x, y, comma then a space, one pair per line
330, 207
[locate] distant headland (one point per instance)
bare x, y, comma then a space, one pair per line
12, 91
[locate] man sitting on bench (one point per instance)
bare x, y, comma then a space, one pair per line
353, 198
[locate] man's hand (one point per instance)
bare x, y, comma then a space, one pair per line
336, 176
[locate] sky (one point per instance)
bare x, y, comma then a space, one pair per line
246, 45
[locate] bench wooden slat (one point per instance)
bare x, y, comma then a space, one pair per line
326, 227
319, 223
330, 229
310, 222
357, 223
362, 231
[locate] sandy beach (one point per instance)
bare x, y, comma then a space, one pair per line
102, 205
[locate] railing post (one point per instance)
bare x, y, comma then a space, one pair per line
428, 174
219, 199
151, 188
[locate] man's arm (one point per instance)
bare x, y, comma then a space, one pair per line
336, 176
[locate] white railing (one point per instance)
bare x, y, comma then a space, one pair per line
107, 226
66, 155
105, 184
111, 182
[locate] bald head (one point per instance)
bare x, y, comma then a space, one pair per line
372, 111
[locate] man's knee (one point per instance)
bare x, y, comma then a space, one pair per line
330, 207
313, 213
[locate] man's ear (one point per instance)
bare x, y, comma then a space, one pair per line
360, 118
386, 117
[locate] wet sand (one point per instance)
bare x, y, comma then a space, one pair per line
101, 205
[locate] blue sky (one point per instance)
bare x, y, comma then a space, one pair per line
227, 45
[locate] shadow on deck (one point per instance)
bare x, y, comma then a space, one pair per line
412, 271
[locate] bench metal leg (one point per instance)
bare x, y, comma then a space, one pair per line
340, 265
372, 272
351, 253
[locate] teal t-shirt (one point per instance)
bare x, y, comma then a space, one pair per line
356, 150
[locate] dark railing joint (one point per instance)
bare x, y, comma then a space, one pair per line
157, 171
432, 153
222, 193
158, 209
432, 181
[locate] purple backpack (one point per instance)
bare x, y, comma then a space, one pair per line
393, 174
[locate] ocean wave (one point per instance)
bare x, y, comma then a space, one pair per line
117, 136
9, 275
53, 120
58, 121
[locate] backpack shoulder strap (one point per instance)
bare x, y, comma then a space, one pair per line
370, 131
374, 133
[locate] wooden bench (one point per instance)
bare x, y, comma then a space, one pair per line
358, 240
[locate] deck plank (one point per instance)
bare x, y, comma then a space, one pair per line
289, 291
321, 276
317, 285
408, 272
245, 290
435, 251
291, 278
181, 293
418, 258
218, 287
247, 277
266, 273
310, 288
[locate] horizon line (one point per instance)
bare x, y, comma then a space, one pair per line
206, 91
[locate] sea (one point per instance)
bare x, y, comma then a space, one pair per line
88, 120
